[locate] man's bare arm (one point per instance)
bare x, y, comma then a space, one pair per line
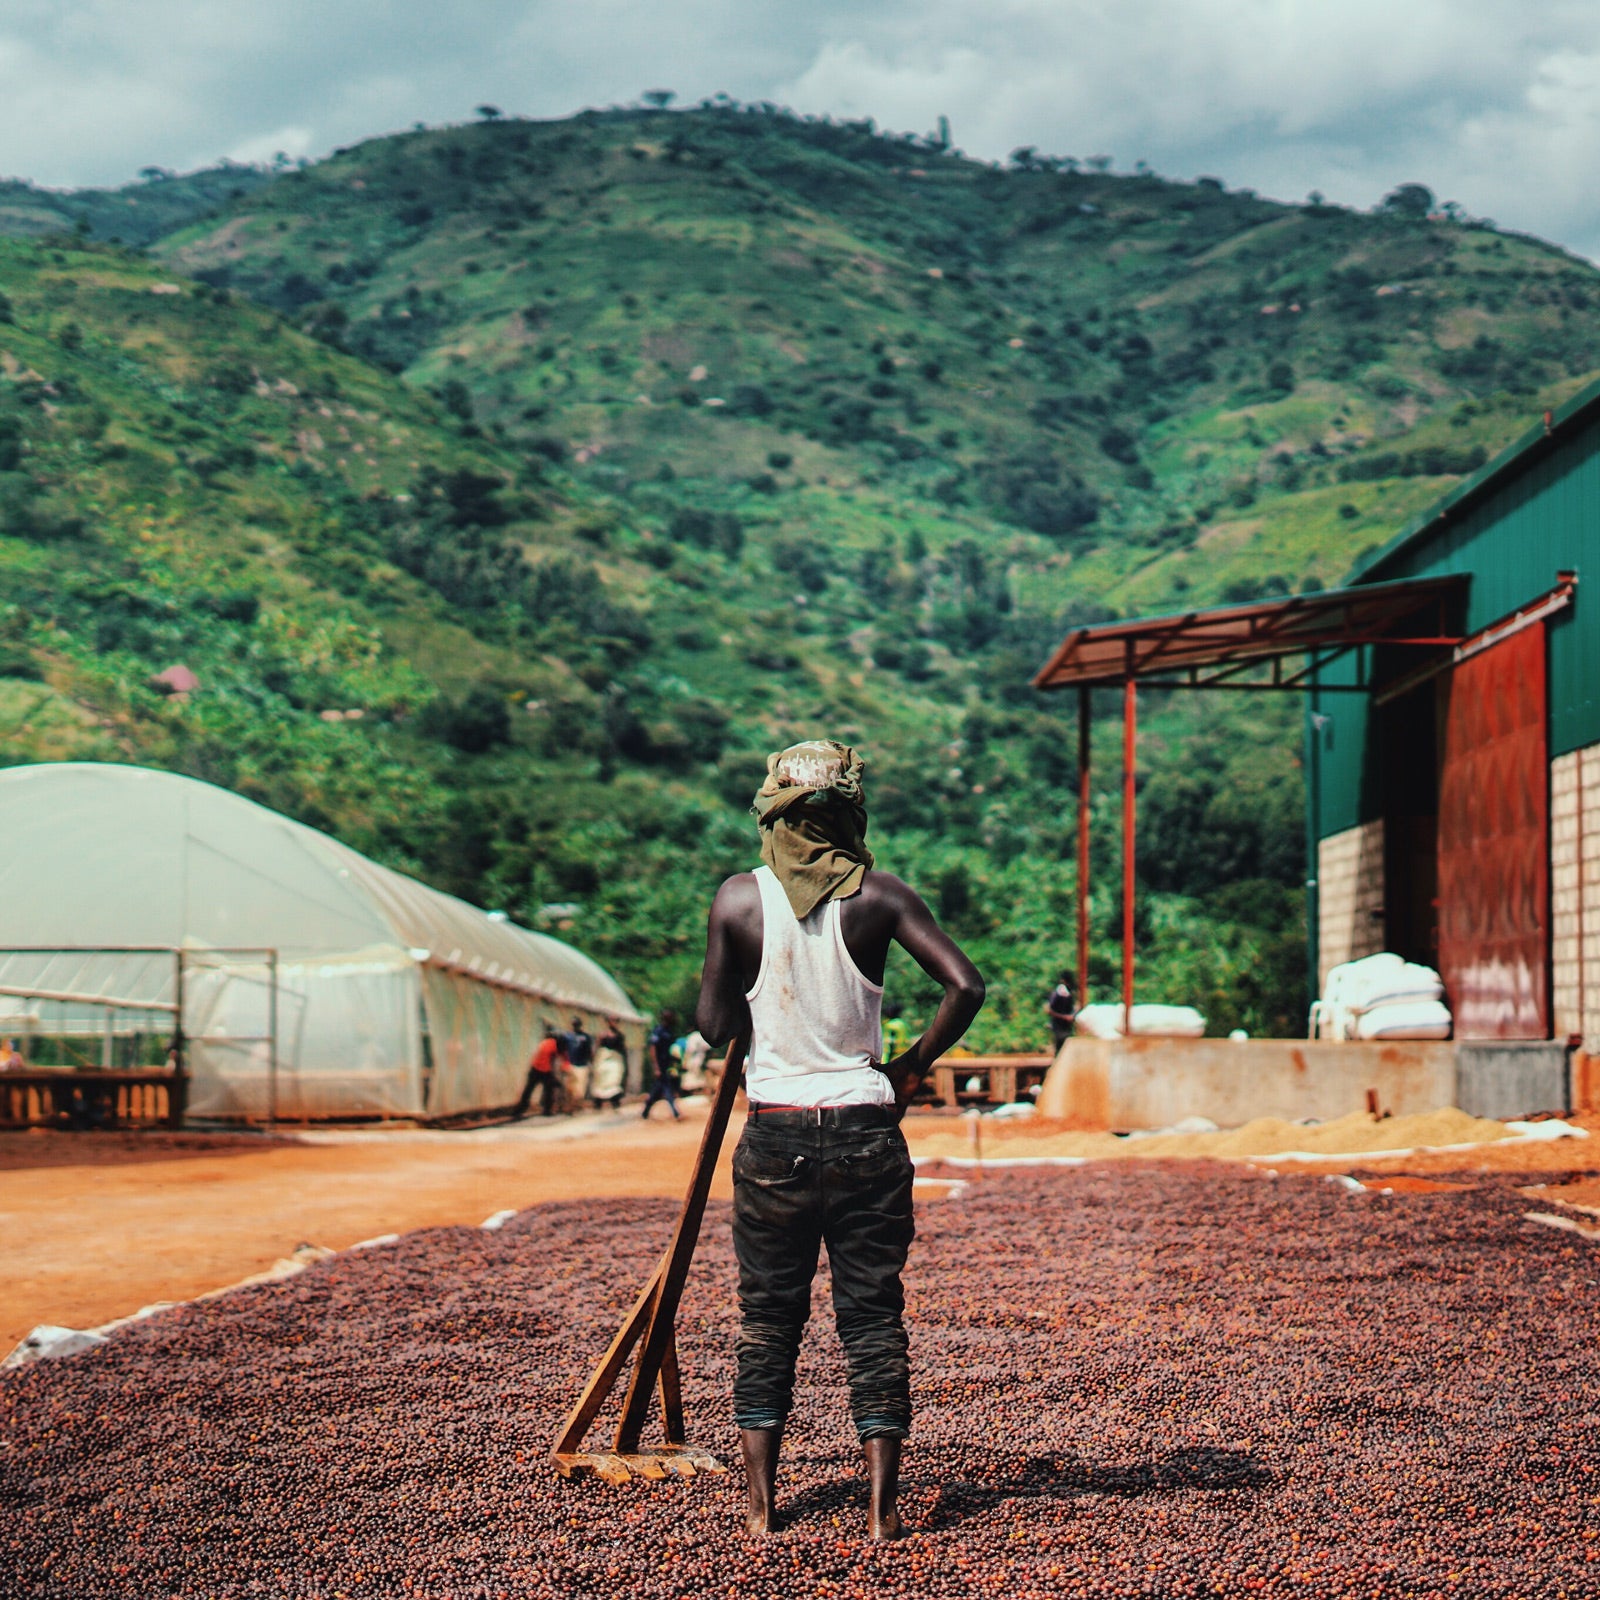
722, 1012
946, 963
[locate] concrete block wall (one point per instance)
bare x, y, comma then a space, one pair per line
1350, 895
1575, 894
1124, 1084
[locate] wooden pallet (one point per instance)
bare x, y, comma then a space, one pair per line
650, 1325
1004, 1078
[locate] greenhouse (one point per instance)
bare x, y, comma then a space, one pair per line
150, 921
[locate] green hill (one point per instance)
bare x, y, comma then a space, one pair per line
136, 214
587, 461
1116, 363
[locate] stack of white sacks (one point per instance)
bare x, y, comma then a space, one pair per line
1381, 997
1104, 1021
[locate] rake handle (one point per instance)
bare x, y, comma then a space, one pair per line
674, 1269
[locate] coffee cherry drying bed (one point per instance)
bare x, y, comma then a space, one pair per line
1131, 1380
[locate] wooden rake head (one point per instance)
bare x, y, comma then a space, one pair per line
651, 1326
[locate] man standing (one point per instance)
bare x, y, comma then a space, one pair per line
541, 1076
577, 1045
610, 1075
658, 1052
1061, 1007
795, 956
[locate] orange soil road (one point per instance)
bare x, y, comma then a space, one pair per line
116, 1230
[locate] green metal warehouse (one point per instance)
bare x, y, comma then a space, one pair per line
1454, 799
1452, 694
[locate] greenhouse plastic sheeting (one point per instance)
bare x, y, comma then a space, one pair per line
480, 1039
145, 979
347, 1039
392, 998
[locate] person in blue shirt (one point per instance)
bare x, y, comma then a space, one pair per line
658, 1051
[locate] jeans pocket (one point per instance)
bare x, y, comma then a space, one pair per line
876, 1158
766, 1167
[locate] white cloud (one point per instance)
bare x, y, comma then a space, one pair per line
1490, 102
262, 148
1487, 101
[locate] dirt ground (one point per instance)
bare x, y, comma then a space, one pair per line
98, 1225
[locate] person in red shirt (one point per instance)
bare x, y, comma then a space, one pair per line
542, 1075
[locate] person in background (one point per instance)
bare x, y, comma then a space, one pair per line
658, 1052
11, 1057
696, 1048
896, 1032
541, 1076
1061, 1007
610, 1076
577, 1045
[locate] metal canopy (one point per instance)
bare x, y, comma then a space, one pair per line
1213, 649
1227, 647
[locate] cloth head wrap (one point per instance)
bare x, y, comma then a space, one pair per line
813, 822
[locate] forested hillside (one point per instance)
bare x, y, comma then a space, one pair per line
511, 489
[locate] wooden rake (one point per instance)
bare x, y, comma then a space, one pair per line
652, 1321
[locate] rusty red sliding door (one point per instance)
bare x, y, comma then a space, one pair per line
1494, 842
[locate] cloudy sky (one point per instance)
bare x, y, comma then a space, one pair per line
1492, 103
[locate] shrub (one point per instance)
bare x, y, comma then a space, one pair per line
1037, 491
238, 605
801, 560
477, 722
1120, 445
709, 530
16, 662
751, 400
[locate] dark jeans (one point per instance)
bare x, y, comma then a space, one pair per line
846, 1183
545, 1083
663, 1089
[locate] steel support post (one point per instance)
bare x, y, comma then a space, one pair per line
1130, 741
1083, 846
272, 1039
1315, 722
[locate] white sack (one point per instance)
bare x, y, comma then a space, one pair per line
1377, 980
1104, 1021
1404, 1019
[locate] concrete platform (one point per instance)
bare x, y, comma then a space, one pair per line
1123, 1084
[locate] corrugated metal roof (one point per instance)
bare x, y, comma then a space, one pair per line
1520, 454
1228, 639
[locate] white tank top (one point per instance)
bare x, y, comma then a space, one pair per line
815, 1022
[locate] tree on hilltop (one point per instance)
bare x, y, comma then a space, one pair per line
1411, 200
490, 113
659, 98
